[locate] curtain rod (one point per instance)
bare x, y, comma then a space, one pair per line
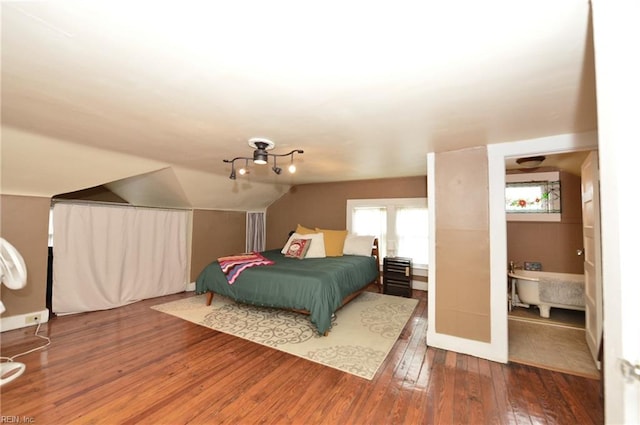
113, 204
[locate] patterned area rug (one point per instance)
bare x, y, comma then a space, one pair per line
361, 336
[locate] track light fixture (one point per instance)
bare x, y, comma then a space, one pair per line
261, 157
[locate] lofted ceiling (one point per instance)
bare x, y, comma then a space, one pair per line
148, 98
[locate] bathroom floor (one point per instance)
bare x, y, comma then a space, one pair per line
557, 343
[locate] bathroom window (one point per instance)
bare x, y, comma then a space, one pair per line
533, 197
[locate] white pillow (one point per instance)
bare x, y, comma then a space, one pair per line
358, 245
316, 249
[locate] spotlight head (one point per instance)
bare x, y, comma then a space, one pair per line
292, 168
276, 170
232, 176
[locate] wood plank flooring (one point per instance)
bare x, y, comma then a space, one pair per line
134, 365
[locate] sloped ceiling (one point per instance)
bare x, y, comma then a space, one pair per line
159, 188
161, 92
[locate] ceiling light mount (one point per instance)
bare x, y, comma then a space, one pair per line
261, 156
531, 161
261, 143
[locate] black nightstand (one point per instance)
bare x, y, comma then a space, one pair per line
396, 276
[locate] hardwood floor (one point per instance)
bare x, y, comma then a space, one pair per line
135, 365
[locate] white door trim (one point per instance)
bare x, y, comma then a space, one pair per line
497, 153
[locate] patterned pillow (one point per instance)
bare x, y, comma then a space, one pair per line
298, 248
317, 244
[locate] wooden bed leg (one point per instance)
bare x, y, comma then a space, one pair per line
209, 297
326, 333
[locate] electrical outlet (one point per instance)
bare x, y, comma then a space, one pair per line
34, 318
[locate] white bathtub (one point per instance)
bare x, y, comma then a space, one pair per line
547, 289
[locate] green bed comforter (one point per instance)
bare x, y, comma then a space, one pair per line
314, 284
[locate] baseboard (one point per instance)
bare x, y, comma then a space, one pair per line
419, 284
465, 346
23, 320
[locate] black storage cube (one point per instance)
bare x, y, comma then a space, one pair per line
396, 276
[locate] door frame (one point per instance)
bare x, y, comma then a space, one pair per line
496, 156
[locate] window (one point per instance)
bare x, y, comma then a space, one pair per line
533, 197
401, 226
411, 233
370, 221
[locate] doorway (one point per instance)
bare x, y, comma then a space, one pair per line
496, 157
547, 241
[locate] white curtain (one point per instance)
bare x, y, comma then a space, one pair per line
255, 232
371, 221
412, 233
107, 256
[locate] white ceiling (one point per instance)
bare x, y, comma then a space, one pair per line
94, 92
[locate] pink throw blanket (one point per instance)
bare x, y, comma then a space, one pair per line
233, 265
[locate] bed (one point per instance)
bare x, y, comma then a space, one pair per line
314, 286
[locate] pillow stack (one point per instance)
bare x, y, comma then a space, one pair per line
326, 243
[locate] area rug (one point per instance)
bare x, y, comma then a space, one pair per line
361, 336
559, 348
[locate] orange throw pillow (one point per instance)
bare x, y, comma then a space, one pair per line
333, 241
301, 230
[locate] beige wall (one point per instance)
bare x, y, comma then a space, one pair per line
215, 234
325, 204
463, 283
25, 225
552, 244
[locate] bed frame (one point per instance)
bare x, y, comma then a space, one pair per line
374, 253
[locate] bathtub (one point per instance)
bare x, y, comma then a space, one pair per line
547, 289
